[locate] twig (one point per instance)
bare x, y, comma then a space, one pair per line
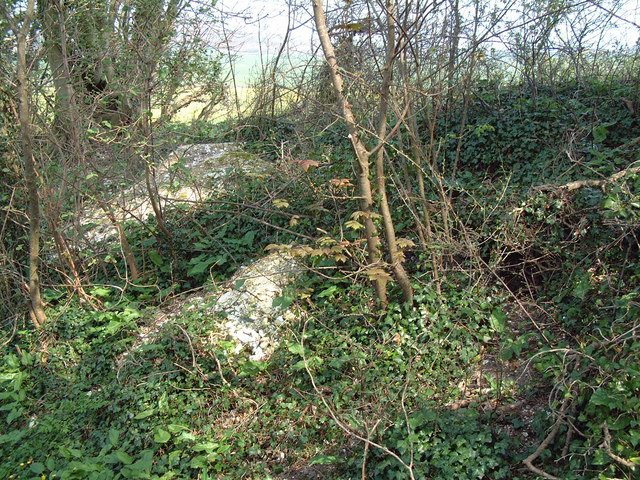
366, 449
569, 187
193, 353
224, 380
339, 423
545, 443
607, 448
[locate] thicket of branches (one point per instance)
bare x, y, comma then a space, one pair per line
480, 145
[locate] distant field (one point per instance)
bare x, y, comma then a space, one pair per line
222, 111
247, 68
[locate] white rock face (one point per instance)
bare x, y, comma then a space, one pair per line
251, 319
189, 175
243, 311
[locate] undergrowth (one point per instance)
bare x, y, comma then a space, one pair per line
528, 338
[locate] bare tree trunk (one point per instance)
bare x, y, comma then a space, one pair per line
395, 256
38, 315
148, 157
362, 155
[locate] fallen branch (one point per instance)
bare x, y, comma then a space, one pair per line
571, 186
545, 443
607, 448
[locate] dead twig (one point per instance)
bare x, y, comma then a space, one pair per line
345, 428
607, 448
571, 186
545, 443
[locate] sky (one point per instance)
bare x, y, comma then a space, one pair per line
262, 26
256, 29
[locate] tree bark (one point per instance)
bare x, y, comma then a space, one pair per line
38, 315
395, 256
361, 153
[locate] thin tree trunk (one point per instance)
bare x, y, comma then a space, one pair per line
124, 243
38, 315
362, 155
399, 273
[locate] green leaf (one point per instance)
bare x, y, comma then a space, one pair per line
248, 237
239, 283
123, 457
15, 413
611, 203
497, 320
160, 435
101, 292
37, 468
199, 462
252, 367
201, 267
113, 326
114, 435
327, 292
295, 348
145, 414
156, 258
298, 366
282, 302
600, 132
175, 428
141, 468
206, 447
601, 397
13, 437
582, 288
325, 460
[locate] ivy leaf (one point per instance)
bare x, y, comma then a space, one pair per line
497, 320
208, 447
248, 237
156, 258
160, 435
145, 414
37, 468
295, 348
582, 288
324, 460
13, 414
123, 457
199, 461
114, 435
328, 292
200, 264
600, 132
